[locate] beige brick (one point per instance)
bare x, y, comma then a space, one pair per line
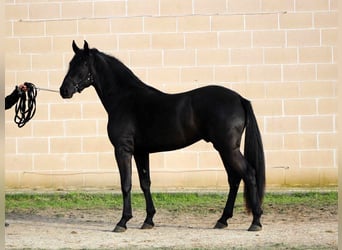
49, 162
296, 21
327, 106
214, 6
63, 111
275, 177
231, 74
160, 24
317, 123
213, 57
21, 29
44, 11
328, 176
33, 145
17, 62
272, 142
223, 23
246, 56
275, 5
310, 5
315, 54
327, 72
300, 141
65, 145
317, 89
146, 58
93, 111
12, 130
193, 23
181, 160
303, 38
105, 44
97, 144
317, 158
39, 78
282, 124
244, 6
210, 160
137, 41
17, 11
146, 8
76, 9
107, 161
47, 61
282, 90
80, 128
10, 145
22, 162
296, 176
199, 75
284, 158
327, 141
235, 39
12, 179
268, 107
94, 26
104, 180
35, 45
179, 57
48, 128
164, 76
251, 91
170, 7
325, 19
61, 28
264, 73
109, 9
300, 107
280, 55
168, 41
200, 179
269, 39
11, 45
127, 25
329, 37
81, 161
200, 40
299, 72
257, 22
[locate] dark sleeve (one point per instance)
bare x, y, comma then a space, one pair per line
12, 99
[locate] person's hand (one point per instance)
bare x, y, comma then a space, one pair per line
22, 87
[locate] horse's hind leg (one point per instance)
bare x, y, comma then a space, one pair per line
142, 161
234, 182
239, 168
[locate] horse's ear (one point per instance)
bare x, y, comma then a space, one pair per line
74, 47
86, 47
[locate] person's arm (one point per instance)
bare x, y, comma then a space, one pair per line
12, 99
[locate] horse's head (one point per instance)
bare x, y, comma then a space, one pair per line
79, 75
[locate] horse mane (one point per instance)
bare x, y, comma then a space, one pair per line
122, 75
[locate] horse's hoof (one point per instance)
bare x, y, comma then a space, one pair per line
147, 226
220, 225
119, 229
254, 228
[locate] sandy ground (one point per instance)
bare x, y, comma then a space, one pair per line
283, 228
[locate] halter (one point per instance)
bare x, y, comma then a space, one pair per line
89, 79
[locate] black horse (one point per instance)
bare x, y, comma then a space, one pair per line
144, 120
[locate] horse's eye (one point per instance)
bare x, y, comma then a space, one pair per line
85, 63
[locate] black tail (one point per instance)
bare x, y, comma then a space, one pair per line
254, 152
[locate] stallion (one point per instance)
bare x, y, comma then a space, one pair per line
144, 120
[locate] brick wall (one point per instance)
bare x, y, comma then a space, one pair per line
279, 54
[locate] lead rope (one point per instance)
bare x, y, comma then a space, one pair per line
25, 108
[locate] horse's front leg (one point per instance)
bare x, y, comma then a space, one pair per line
124, 161
143, 166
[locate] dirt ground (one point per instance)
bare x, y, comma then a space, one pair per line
299, 227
